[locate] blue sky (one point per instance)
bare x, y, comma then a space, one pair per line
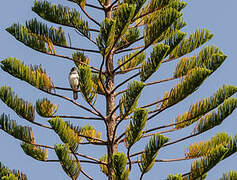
217, 16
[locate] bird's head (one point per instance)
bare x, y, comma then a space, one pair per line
74, 69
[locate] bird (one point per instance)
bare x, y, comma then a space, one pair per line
74, 81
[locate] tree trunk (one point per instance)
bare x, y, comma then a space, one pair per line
110, 105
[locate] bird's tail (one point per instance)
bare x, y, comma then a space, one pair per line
75, 95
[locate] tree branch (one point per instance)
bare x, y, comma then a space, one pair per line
77, 117
89, 38
74, 102
70, 89
130, 49
88, 16
128, 44
125, 82
93, 6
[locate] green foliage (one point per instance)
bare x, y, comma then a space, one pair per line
174, 40
7, 174
66, 134
87, 86
80, 58
175, 177
205, 105
209, 57
195, 40
196, 150
45, 108
123, 16
61, 15
35, 76
96, 79
131, 35
200, 167
35, 151
55, 35
103, 167
105, 39
186, 86
23, 133
25, 36
23, 108
119, 163
128, 102
215, 118
231, 175
154, 31
134, 62
135, 129
68, 162
90, 131
138, 4
153, 63
151, 151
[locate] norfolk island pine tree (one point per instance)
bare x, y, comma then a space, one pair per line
127, 109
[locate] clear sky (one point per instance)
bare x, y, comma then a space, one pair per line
218, 16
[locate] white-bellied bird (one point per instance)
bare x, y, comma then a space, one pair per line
74, 81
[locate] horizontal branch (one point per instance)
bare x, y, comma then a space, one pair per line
70, 89
81, 161
165, 160
130, 49
78, 154
127, 44
79, 49
154, 103
128, 70
71, 59
77, 117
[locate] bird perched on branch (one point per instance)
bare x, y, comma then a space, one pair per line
74, 81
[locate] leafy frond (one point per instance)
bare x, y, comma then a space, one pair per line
119, 163
36, 76
23, 108
154, 31
134, 62
90, 131
215, 118
195, 40
66, 134
30, 39
175, 177
96, 79
231, 175
35, 152
209, 57
138, 4
130, 36
103, 167
55, 35
149, 10
23, 133
80, 58
6, 173
61, 15
128, 102
123, 16
135, 129
105, 39
151, 151
153, 63
174, 40
200, 167
203, 148
205, 105
45, 108
87, 86
68, 161
186, 86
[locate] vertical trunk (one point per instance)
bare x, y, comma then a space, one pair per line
110, 105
